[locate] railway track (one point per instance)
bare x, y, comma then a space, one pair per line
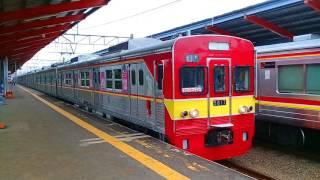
249, 172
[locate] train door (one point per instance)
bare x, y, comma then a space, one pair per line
75, 85
55, 77
143, 105
220, 93
134, 90
96, 85
158, 103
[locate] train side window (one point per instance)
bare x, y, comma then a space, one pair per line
133, 77
141, 77
160, 76
68, 79
85, 79
109, 77
242, 79
117, 79
192, 80
219, 79
313, 83
291, 79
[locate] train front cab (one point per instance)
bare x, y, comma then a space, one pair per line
211, 108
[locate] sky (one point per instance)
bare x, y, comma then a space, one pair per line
139, 18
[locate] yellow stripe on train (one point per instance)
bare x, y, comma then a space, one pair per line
176, 107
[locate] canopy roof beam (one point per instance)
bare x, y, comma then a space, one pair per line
314, 4
217, 30
270, 26
50, 9
42, 23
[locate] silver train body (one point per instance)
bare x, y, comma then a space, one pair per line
288, 83
63, 82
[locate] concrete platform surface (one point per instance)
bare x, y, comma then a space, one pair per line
40, 143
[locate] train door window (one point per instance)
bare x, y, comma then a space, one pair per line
242, 79
95, 78
160, 76
133, 77
61, 79
141, 77
117, 79
219, 79
192, 80
98, 76
291, 79
75, 78
109, 77
313, 83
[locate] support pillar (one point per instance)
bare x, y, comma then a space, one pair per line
5, 89
2, 80
5, 75
3, 83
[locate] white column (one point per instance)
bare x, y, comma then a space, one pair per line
5, 74
1, 77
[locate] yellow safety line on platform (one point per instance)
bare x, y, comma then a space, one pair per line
144, 159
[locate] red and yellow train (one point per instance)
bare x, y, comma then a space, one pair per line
197, 91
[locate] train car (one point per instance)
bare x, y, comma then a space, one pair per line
197, 91
288, 89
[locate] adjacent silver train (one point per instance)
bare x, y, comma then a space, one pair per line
288, 88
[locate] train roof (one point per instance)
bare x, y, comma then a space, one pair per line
309, 43
157, 47
151, 47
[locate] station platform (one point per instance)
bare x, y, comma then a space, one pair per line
46, 138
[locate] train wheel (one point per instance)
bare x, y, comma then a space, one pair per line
288, 136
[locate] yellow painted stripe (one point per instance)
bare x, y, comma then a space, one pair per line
176, 106
286, 57
153, 164
290, 105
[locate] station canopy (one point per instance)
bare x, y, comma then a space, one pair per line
26, 26
270, 22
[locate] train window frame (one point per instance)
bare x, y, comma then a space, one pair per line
109, 80
68, 79
302, 91
307, 80
141, 77
85, 79
117, 79
249, 84
204, 89
224, 79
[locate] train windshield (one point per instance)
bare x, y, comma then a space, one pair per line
192, 80
242, 79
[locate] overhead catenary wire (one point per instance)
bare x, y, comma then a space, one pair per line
133, 15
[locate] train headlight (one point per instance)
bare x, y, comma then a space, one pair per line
194, 113
184, 114
243, 109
